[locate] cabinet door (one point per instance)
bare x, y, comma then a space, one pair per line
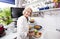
58, 23
52, 35
52, 27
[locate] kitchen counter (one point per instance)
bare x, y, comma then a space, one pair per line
9, 35
12, 35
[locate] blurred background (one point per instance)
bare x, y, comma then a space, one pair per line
45, 13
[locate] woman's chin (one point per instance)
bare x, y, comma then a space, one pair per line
26, 16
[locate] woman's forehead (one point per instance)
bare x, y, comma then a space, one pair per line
29, 10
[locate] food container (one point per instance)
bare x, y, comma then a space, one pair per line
2, 31
38, 27
31, 20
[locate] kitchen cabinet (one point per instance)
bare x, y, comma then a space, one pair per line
59, 4
50, 23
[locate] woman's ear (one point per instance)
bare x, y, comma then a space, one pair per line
23, 12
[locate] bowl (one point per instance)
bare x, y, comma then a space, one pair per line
31, 20
2, 30
38, 35
38, 27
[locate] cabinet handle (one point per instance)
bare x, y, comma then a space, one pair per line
58, 30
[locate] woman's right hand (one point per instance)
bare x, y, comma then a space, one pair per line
31, 33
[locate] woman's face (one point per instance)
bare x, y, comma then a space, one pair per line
28, 13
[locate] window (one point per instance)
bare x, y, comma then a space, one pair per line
8, 1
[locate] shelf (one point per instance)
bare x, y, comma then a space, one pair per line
31, 3
58, 1
53, 9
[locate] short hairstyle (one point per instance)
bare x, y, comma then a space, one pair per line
26, 10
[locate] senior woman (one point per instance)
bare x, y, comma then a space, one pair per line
22, 24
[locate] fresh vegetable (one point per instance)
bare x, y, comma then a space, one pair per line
35, 31
5, 16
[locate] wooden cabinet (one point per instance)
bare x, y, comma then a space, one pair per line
58, 0
58, 3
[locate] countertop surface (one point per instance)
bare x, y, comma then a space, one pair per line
9, 35
12, 35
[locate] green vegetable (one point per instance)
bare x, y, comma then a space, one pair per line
35, 31
5, 16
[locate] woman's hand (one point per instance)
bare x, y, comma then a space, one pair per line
31, 33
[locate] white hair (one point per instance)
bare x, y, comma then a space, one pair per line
26, 10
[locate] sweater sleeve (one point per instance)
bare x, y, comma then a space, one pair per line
20, 33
